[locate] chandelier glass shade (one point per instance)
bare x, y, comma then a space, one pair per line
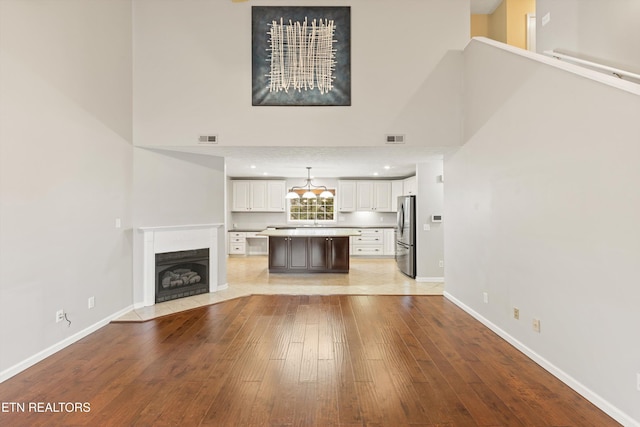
311, 190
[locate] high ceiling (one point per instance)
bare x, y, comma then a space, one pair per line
482, 7
327, 162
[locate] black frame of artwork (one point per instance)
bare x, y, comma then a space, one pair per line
263, 93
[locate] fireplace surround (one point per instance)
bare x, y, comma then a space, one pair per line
178, 238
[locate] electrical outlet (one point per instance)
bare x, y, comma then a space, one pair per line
59, 316
441, 264
485, 297
92, 302
638, 381
536, 325
516, 313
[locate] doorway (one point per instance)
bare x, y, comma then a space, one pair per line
531, 32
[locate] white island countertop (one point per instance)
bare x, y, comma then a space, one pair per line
311, 231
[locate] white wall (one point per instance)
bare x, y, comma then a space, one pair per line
65, 171
173, 188
429, 201
602, 30
193, 76
541, 210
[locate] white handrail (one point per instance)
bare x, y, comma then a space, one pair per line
600, 77
614, 71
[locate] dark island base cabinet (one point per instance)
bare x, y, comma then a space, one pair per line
308, 254
288, 254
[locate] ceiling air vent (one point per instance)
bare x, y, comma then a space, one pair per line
394, 139
208, 139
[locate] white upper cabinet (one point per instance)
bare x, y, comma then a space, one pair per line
382, 193
396, 191
410, 186
258, 196
365, 196
368, 195
276, 191
241, 195
374, 196
347, 196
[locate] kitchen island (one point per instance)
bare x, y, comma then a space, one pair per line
309, 250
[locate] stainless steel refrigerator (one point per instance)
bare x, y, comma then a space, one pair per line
406, 235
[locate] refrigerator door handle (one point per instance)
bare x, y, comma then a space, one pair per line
401, 220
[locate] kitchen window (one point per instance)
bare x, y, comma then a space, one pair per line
312, 210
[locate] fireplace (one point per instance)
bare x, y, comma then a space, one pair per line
181, 274
190, 239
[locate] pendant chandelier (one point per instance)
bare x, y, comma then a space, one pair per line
309, 194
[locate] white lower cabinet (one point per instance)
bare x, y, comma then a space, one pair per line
389, 242
247, 243
237, 242
370, 242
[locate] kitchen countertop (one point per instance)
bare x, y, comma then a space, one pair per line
296, 227
311, 231
284, 227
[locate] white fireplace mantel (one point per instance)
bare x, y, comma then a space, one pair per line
177, 238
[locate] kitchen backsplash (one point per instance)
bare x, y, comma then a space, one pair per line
259, 220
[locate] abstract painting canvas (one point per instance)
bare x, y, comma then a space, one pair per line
301, 56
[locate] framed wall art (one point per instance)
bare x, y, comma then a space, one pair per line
301, 56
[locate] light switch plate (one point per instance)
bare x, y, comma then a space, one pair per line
546, 19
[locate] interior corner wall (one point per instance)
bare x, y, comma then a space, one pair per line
430, 243
65, 172
479, 25
174, 188
541, 210
498, 23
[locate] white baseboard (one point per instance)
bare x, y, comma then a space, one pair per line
222, 287
588, 394
430, 279
27, 363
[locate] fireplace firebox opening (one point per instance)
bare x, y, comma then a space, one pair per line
181, 274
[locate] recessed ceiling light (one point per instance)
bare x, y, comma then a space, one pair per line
265, 173
387, 167
375, 174
252, 166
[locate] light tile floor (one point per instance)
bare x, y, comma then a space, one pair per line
249, 275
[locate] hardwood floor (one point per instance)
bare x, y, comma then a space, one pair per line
296, 360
